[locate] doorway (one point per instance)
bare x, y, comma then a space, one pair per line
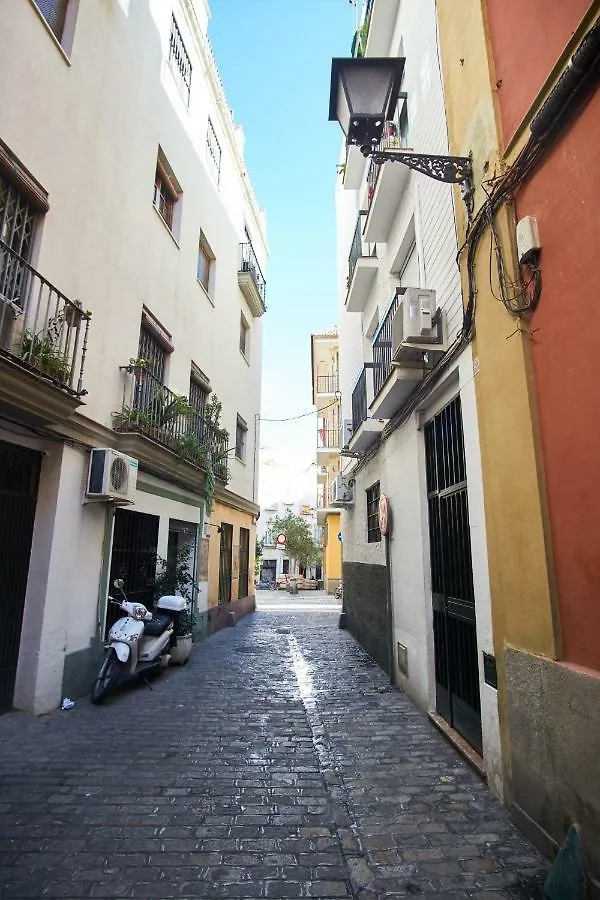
225, 562
135, 542
453, 597
19, 478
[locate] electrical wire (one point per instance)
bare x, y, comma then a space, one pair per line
313, 412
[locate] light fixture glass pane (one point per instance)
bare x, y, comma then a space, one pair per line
368, 89
342, 111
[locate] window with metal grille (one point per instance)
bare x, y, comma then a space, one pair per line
213, 152
373, 532
17, 218
151, 350
244, 335
198, 395
179, 61
206, 260
244, 562
241, 434
54, 12
167, 192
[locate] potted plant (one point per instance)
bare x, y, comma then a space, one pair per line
137, 366
174, 576
39, 351
73, 313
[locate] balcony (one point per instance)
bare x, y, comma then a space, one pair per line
365, 430
381, 19
251, 281
328, 385
321, 474
168, 420
328, 440
392, 383
43, 343
324, 507
362, 268
354, 168
385, 183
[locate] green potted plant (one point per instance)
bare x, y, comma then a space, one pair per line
174, 576
39, 351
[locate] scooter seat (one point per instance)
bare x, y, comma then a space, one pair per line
159, 622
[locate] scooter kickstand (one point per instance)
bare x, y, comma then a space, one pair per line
147, 683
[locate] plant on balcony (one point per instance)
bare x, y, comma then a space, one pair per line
167, 407
39, 350
191, 448
137, 366
74, 312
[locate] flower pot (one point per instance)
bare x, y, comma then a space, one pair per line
72, 315
180, 653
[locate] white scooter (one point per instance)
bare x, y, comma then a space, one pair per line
138, 641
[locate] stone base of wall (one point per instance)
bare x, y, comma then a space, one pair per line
365, 604
219, 616
554, 725
332, 584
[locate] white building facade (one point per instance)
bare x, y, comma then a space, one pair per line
132, 253
275, 559
414, 437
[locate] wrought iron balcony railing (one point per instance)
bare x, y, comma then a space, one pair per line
327, 384
168, 419
328, 438
40, 327
394, 137
359, 248
359, 401
249, 263
382, 348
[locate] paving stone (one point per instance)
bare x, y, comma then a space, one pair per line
253, 785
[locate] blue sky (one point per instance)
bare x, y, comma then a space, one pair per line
274, 57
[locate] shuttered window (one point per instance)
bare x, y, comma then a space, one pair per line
54, 12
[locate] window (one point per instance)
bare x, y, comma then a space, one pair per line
373, 532
244, 335
179, 61
152, 351
198, 394
167, 193
17, 218
206, 259
244, 562
213, 152
241, 433
54, 12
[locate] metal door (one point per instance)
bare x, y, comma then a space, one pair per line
455, 638
19, 477
225, 562
135, 541
244, 562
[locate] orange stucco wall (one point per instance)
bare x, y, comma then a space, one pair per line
528, 38
564, 196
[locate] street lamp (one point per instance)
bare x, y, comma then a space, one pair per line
364, 93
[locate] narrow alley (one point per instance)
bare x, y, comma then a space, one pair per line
278, 763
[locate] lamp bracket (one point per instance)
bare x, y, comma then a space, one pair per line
451, 169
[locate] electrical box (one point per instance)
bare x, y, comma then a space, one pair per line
528, 238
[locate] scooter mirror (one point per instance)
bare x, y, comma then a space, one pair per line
119, 584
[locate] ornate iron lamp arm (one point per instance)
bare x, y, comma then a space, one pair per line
451, 169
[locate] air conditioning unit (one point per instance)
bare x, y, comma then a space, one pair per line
341, 491
418, 325
112, 476
346, 433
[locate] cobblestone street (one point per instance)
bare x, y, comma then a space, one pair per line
278, 763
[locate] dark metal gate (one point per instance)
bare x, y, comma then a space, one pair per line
455, 639
244, 562
225, 562
19, 477
135, 541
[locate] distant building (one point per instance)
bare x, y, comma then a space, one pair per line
276, 560
324, 348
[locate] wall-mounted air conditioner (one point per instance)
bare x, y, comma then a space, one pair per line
342, 491
112, 476
346, 433
418, 326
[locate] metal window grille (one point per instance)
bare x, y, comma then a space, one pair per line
241, 433
373, 532
164, 198
198, 395
244, 562
180, 61
359, 249
54, 12
213, 151
153, 352
17, 219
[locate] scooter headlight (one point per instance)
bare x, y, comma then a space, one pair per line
140, 612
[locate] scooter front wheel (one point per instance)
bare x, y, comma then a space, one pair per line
107, 677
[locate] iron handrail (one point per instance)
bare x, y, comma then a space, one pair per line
39, 325
249, 263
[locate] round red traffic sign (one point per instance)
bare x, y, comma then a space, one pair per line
280, 540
